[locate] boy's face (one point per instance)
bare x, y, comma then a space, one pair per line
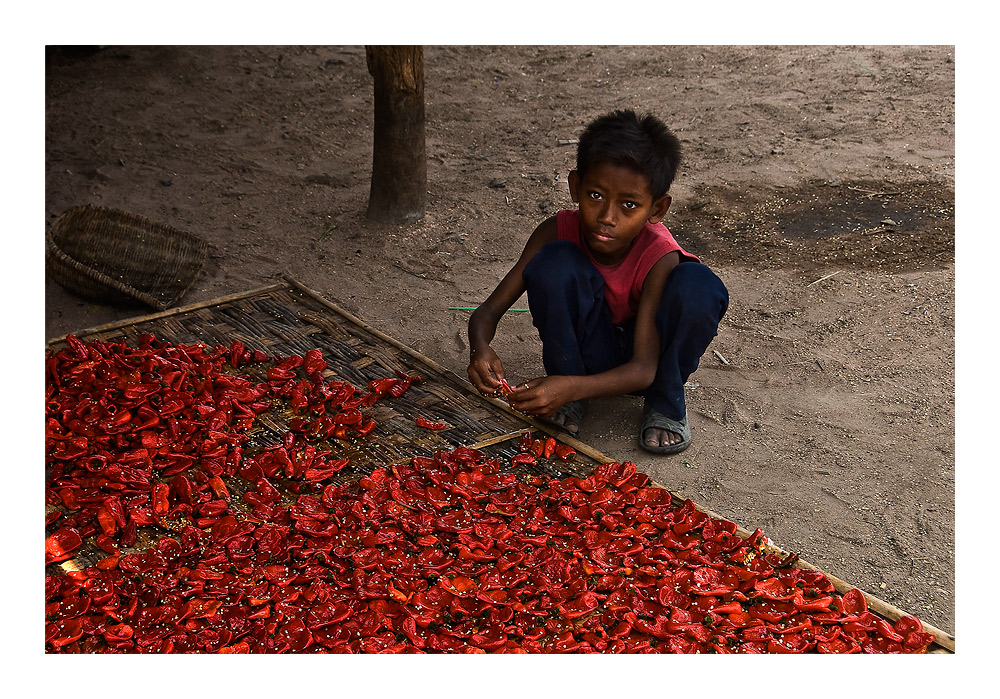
615, 203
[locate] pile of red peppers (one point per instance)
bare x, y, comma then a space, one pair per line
451, 553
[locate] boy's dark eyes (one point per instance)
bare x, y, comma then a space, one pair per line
626, 204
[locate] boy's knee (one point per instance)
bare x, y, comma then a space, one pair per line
697, 290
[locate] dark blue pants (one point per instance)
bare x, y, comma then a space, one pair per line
566, 300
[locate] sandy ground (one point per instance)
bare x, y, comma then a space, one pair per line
819, 182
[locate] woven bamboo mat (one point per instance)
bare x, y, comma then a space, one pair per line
288, 318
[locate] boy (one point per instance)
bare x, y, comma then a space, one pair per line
619, 306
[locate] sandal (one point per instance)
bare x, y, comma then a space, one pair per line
653, 419
571, 413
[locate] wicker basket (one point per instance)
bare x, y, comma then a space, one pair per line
123, 258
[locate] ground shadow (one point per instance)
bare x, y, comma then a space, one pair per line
817, 225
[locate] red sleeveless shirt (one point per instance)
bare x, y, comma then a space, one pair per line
623, 281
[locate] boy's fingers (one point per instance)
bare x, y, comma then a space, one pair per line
483, 380
484, 372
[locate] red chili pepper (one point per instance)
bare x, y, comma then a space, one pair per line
299, 398
77, 347
277, 375
430, 424
772, 588
885, 629
218, 487
410, 378
816, 604
565, 452
523, 458
291, 362
855, 601
161, 505
382, 386
63, 632
62, 544
349, 417
730, 608
237, 350
107, 522
549, 448
401, 387
837, 645
907, 624
313, 362
109, 562
525, 443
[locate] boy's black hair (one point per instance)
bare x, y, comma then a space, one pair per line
644, 144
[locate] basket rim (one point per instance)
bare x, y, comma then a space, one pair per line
114, 213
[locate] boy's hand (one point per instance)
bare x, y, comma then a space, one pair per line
485, 370
543, 396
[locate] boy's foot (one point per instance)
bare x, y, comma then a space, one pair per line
663, 435
570, 416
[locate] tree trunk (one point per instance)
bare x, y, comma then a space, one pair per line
399, 163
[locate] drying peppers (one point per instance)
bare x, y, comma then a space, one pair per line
453, 552
430, 424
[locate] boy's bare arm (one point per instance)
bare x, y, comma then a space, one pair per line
545, 395
485, 368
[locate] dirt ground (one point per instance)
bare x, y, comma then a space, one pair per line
819, 182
